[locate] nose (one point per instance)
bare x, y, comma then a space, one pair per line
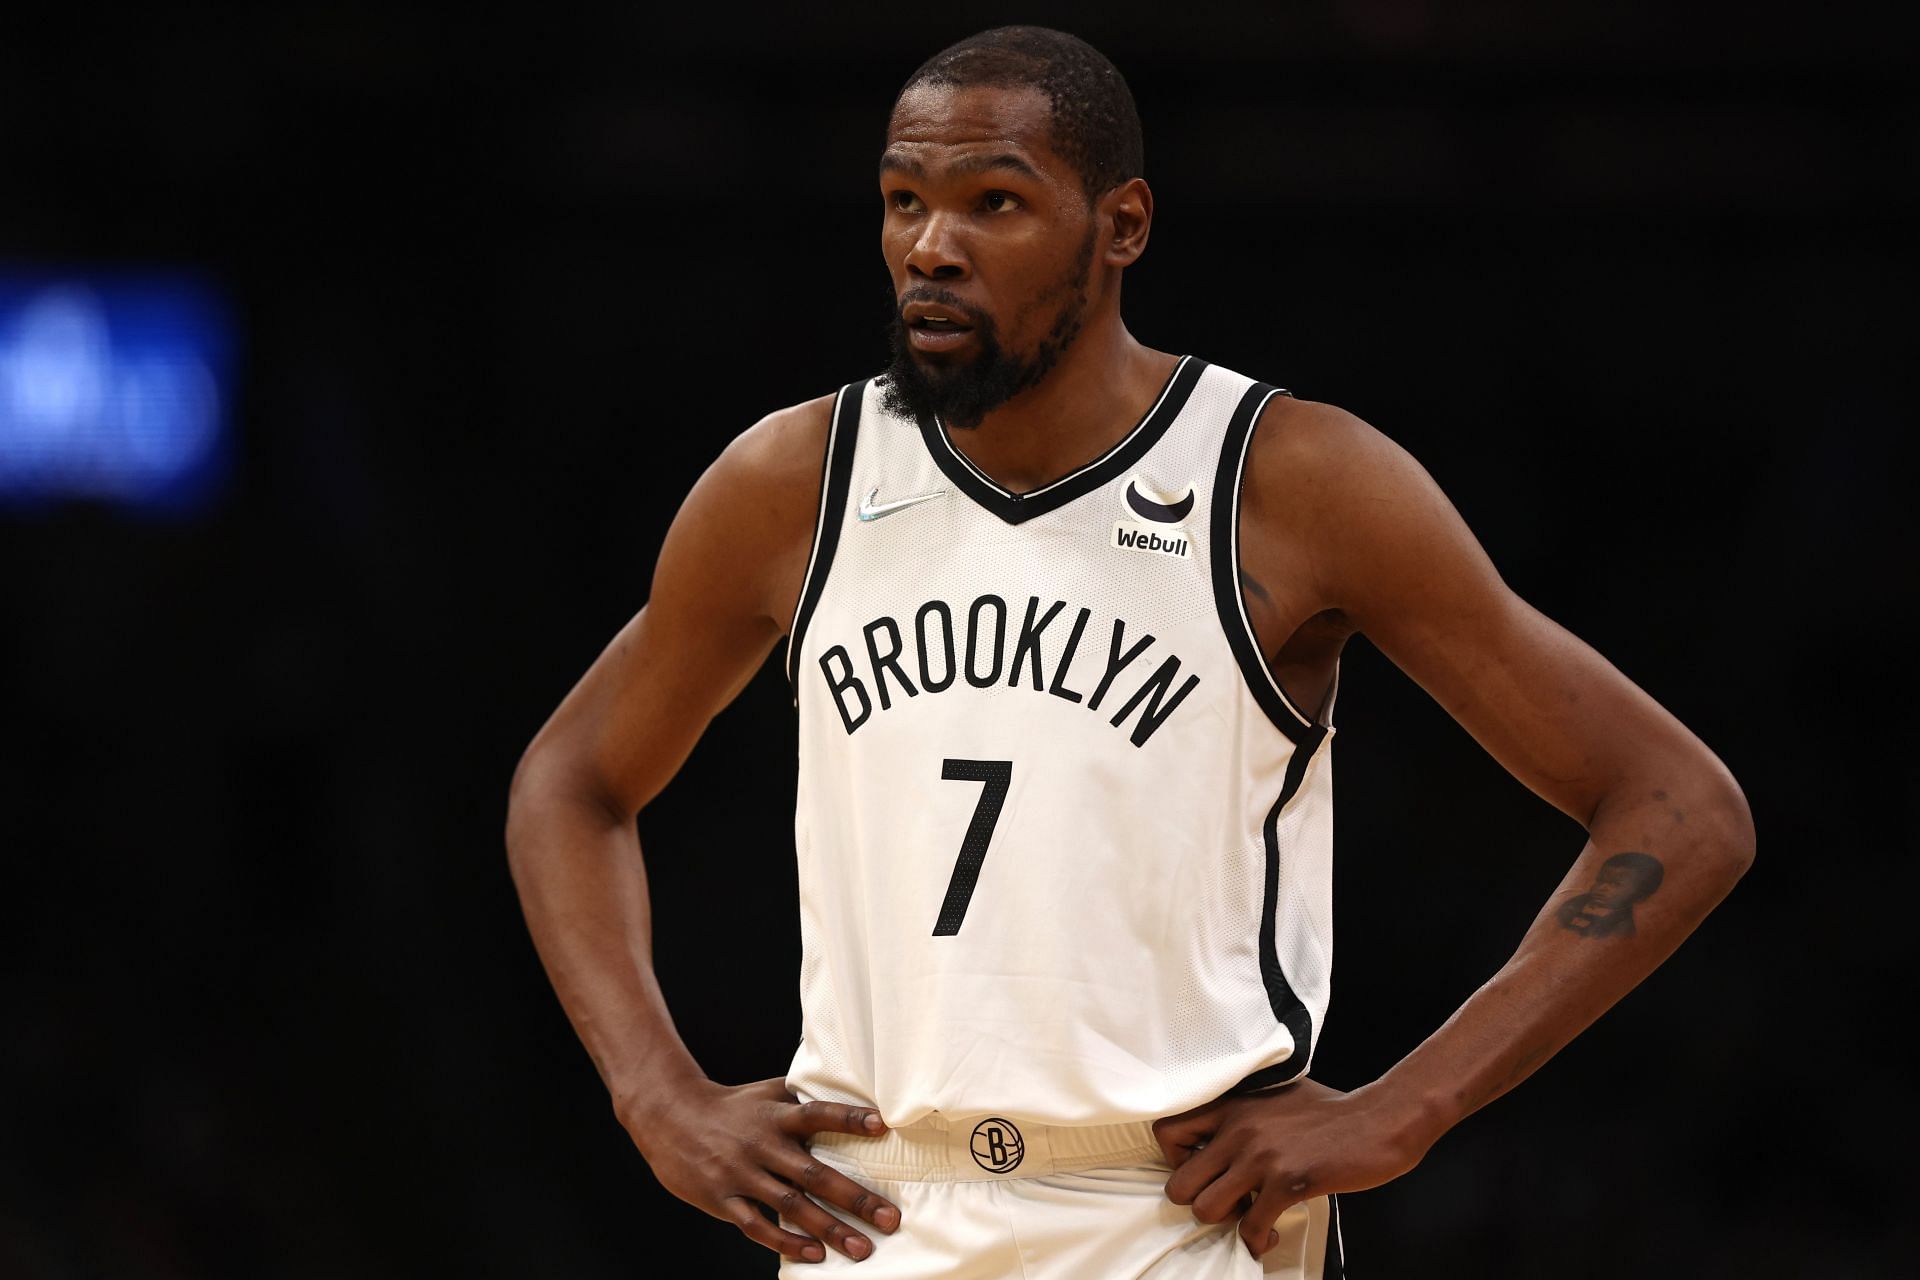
935, 253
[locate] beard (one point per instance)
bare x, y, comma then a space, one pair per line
962, 395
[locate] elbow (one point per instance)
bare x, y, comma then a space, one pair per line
553, 790
1745, 839
539, 779
526, 778
1730, 828
523, 791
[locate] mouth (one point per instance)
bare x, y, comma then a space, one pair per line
931, 327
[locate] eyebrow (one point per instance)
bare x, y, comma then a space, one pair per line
977, 163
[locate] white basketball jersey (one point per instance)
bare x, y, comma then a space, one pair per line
1064, 844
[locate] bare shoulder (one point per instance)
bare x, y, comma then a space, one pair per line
1317, 468
1310, 451
1334, 502
782, 452
750, 517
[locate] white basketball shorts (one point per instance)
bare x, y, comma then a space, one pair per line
983, 1198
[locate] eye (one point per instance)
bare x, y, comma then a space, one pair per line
1000, 201
904, 201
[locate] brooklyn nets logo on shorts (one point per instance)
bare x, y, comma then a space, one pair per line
997, 1145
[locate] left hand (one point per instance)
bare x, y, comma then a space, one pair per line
1257, 1155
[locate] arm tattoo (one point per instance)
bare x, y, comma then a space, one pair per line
1607, 909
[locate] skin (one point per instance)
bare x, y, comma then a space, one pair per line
1613, 890
1342, 532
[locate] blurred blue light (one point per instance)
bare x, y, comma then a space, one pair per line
113, 390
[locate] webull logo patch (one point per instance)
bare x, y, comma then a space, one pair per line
1139, 537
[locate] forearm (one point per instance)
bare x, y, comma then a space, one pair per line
577, 865
1600, 934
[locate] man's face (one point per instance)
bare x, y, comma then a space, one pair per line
989, 239
1616, 887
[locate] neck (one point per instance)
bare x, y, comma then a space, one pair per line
1098, 392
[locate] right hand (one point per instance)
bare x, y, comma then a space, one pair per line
730, 1150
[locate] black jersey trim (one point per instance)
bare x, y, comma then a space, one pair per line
1016, 508
836, 475
1287, 1007
1224, 550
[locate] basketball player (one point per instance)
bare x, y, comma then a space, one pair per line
1064, 617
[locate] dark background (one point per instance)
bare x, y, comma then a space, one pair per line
1627, 281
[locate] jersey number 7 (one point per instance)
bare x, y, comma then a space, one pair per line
998, 776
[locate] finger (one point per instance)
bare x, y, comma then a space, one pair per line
824, 1182
1178, 1144
832, 1117
1229, 1195
793, 1206
1279, 1195
1176, 1133
1193, 1176
745, 1215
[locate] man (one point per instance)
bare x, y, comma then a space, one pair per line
1607, 908
1064, 618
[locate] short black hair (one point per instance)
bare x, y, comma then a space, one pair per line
1096, 128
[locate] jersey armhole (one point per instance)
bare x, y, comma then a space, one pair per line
836, 471
1224, 542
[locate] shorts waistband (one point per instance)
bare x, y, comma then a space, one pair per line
986, 1148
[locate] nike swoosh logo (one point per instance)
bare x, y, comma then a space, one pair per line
871, 510
1161, 512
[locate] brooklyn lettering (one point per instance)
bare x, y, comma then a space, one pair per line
988, 642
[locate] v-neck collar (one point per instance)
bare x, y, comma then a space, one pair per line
1015, 508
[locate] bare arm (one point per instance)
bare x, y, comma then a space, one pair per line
723, 593
1360, 525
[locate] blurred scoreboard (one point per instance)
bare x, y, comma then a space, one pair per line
114, 390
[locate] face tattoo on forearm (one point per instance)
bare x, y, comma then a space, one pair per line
1607, 908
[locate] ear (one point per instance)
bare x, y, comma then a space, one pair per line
1127, 211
